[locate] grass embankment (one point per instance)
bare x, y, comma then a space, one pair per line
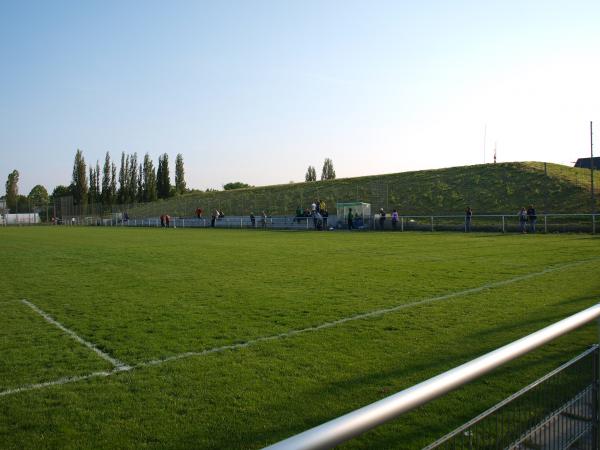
489, 188
144, 294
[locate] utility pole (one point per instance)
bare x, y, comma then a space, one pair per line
484, 140
592, 168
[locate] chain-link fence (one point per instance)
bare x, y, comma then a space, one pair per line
556, 412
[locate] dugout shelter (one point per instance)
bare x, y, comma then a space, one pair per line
360, 210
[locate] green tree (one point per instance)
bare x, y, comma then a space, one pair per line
94, 190
328, 172
149, 180
22, 204
79, 183
12, 190
179, 175
113, 184
140, 184
38, 196
159, 177
123, 179
98, 196
163, 181
106, 191
311, 174
61, 191
38, 201
235, 185
133, 179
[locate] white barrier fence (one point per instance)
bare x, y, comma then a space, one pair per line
501, 223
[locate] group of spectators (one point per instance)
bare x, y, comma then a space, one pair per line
165, 220
217, 214
527, 219
263, 220
318, 212
383, 217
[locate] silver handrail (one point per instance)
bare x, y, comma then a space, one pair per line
357, 422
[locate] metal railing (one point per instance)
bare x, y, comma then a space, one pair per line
555, 412
496, 223
357, 422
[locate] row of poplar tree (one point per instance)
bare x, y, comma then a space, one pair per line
328, 173
135, 181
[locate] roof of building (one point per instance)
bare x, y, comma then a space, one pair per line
585, 163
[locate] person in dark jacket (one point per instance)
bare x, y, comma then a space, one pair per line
468, 217
381, 219
523, 220
532, 218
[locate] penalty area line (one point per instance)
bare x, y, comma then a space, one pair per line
114, 361
325, 325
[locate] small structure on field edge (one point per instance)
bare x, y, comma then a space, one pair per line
361, 213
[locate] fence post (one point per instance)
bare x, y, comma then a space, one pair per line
431, 223
401, 223
503, 227
593, 223
545, 223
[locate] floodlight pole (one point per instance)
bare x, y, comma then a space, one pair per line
592, 168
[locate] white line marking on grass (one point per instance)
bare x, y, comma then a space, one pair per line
114, 361
64, 380
379, 312
376, 313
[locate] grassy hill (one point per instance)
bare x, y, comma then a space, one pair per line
487, 188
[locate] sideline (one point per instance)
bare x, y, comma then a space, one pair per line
121, 367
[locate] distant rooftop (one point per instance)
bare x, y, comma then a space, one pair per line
584, 163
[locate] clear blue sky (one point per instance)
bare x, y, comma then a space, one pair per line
255, 91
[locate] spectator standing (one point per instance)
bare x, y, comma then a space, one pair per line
532, 217
167, 220
394, 219
468, 217
350, 219
264, 219
522, 220
199, 213
252, 220
213, 218
299, 213
318, 221
381, 219
162, 220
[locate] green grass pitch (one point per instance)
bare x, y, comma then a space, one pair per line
237, 339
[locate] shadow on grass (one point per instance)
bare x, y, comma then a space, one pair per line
426, 423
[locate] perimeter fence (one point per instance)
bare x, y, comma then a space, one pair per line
493, 223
